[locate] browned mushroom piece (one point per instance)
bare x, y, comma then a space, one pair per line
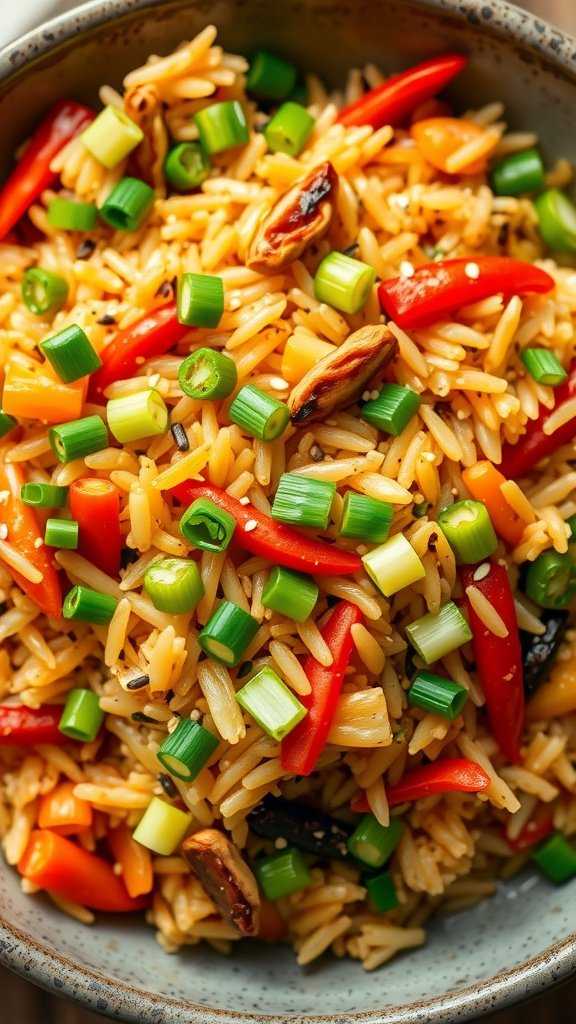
226, 877
143, 105
300, 217
339, 379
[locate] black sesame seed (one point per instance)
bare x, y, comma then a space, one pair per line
316, 453
85, 249
167, 785
138, 683
107, 320
169, 695
180, 437
244, 669
351, 249
139, 716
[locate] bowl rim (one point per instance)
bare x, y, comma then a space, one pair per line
58, 974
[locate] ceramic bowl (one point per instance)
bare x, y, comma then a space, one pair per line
509, 947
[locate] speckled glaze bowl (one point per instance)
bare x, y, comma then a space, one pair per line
522, 940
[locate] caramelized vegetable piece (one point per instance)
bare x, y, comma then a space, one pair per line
143, 105
341, 377
300, 217
301, 825
539, 651
226, 878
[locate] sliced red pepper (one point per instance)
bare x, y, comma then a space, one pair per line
452, 775
66, 869
25, 535
392, 101
498, 659
437, 289
302, 747
32, 173
153, 335
95, 505
24, 727
534, 445
283, 545
534, 831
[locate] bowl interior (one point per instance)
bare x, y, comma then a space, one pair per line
465, 968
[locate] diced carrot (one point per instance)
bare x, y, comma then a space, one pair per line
484, 482
301, 353
38, 394
272, 925
134, 859
63, 812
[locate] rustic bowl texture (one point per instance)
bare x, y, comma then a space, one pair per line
522, 940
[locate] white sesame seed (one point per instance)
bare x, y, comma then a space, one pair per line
428, 456
365, 396
280, 843
245, 500
278, 383
4, 495
154, 380
3, 531
481, 572
406, 269
402, 201
38, 542
250, 525
374, 394
472, 270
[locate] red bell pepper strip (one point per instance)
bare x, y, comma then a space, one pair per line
534, 445
534, 831
66, 869
153, 335
390, 102
437, 289
32, 173
283, 545
25, 535
24, 727
95, 505
302, 747
452, 775
498, 659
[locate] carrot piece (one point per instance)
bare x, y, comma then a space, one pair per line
484, 482
273, 927
38, 394
63, 812
437, 138
134, 859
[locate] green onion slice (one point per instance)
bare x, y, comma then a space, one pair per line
271, 704
270, 77
228, 633
43, 495
302, 501
70, 354
520, 172
222, 126
174, 585
61, 533
132, 417
543, 366
162, 827
128, 204
186, 750
343, 282
394, 565
556, 856
82, 716
441, 696
392, 410
289, 129
551, 579
186, 166
259, 414
42, 291
439, 633
83, 604
469, 531
374, 844
7, 423
200, 300
70, 215
207, 526
111, 137
365, 518
207, 374
382, 892
79, 438
291, 593
282, 873
557, 220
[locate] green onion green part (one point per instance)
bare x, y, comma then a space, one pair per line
186, 750
291, 593
186, 166
162, 827
82, 716
343, 282
228, 633
282, 873
259, 414
393, 565
42, 291
270, 77
365, 518
132, 417
7, 423
557, 220
79, 438
300, 94
43, 495
382, 892
441, 696
222, 126
61, 533
374, 844
70, 354
302, 501
271, 704
111, 137
556, 857
207, 526
420, 509
469, 531
174, 585
439, 633
200, 300
551, 580
289, 129
392, 410
83, 604
70, 215
208, 374
128, 204
520, 172
543, 366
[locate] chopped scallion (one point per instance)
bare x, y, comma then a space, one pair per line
61, 533
82, 716
291, 593
7, 423
111, 137
394, 565
441, 696
78, 438
392, 410
70, 354
207, 374
162, 827
42, 291
43, 495
374, 844
174, 585
517, 173
557, 858
282, 873
259, 414
132, 417
222, 126
200, 300
303, 501
557, 220
343, 282
439, 633
86, 605
228, 633
543, 366
382, 892
469, 531
289, 129
365, 518
185, 751
271, 704
207, 526
186, 166
551, 579
128, 204
270, 77
70, 215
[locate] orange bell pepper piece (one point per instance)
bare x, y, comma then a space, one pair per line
437, 138
134, 859
484, 482
63, 812
38, 394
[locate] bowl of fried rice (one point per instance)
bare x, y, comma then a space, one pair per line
288, 509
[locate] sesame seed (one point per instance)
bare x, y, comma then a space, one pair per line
481, 572
250, 525
4, 495
472, 270
402, 201
37, 543
3, 531
245, 500
280, 843
365, 396
374, 394
153, 380
278, 383
234, 302
406, 269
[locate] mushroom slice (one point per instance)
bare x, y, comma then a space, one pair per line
226, 877
300, 217
339, 379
